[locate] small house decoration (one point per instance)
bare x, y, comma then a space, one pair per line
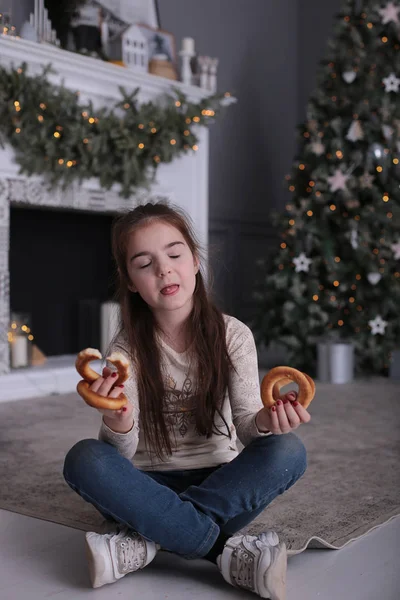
135, 50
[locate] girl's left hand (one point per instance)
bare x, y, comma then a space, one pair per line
286, 417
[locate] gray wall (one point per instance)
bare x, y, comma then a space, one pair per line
315, 27
268, 51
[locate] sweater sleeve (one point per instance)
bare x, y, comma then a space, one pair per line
125, 443
244, 382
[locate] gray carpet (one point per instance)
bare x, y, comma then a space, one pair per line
352, 483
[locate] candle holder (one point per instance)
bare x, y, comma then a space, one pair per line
186, 69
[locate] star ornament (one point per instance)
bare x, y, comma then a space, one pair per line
392, 83
338, 181
366, 180
396, 250
302, 263
378, 325
390, 13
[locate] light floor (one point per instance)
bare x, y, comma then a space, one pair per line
39, 560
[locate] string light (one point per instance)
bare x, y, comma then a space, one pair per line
85, 114
85, 140
127, 105
336, 283
292, 188
395, 161
339, 154
188, 120
141, 126
186, 132
283, 245
292, 222
195, 148
172, 142
153, 130
156, 159
91, 120
141, 145
60, 161
340, 323
196, 119
310, 213
18, 130
57, 134
177, 103
358, 277
352, 300
379, 169
337, 259
385, 198
384, 39
332, 207
40, 118
315, 297
302, 167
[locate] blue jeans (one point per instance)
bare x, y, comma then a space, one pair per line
185, 511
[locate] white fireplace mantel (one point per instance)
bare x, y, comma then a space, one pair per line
183, 182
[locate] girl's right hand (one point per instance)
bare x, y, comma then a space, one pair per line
120, 421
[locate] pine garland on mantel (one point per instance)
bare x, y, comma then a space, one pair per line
55, 136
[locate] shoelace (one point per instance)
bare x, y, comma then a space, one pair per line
131, 552
243, 566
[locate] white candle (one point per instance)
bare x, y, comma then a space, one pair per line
188, 45
19, 352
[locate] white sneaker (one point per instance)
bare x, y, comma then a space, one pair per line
113, 555
256, 563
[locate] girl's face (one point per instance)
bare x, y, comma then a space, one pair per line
162, 268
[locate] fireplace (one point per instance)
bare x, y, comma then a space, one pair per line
41, 236
61, 270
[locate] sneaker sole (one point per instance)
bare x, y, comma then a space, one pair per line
94, 566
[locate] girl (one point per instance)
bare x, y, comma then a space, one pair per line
166, 471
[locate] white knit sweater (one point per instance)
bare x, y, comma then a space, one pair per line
192, 450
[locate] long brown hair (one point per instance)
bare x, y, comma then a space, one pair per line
205, 326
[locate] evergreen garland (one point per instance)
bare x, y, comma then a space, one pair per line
55, 136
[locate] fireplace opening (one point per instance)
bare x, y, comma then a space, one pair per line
61, 271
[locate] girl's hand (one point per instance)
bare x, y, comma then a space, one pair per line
120, 421
285, 416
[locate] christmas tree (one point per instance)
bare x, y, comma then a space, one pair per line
336, 272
